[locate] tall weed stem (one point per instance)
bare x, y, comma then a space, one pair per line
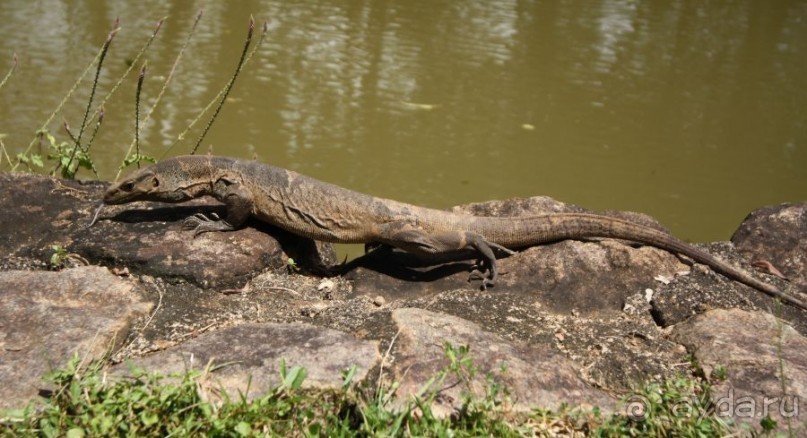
230, 84
127, 158
104, 51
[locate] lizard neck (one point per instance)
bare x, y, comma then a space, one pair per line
193, 176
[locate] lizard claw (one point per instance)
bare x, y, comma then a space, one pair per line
478, 274
200, 223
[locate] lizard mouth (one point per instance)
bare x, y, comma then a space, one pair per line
121, 193
114, 196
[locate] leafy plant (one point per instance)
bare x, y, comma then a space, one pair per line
680, 406
59, 257
69, 156
721, 372
31, 161
136, 159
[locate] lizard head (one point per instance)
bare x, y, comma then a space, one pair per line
146, 184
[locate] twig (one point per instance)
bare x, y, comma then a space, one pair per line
66, 127
292, 291
156, 309
197, 332
5, 152
94, 133
384, 359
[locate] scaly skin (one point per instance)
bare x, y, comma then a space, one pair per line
323, 211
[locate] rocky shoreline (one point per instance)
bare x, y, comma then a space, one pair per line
576, 322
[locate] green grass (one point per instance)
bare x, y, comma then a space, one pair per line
88, 403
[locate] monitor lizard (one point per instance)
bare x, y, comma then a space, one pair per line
322, 211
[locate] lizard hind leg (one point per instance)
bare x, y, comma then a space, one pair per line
419, 241
487, 258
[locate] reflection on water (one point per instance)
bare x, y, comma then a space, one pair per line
690, 111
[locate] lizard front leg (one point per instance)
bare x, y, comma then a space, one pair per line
421, 242
238, 203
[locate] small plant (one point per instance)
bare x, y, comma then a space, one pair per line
680, 406
768, 424
73, 154
136, 159
292, 266
31, 160
68, 156
721, 372
59, 257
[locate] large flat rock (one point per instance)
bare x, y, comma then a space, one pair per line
251, 356
777, 235
764, 363
535, 375
47, 317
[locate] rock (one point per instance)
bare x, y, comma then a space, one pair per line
613, 350
147, 238
47, 317
186, 310
250, 357
764, 364
535, 375
703, 289
777, 235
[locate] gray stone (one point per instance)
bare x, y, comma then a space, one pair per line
47, 317
534, 374
250, 357
764, 361
777, 235
703, 289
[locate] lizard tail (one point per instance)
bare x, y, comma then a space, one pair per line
533, 230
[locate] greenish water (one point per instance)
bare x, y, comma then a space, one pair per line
693, 112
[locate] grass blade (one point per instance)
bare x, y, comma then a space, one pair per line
137, 111
164, 87
104, 51
10, 71
181, 136
230, 84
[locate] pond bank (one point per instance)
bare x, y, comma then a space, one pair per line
577, 321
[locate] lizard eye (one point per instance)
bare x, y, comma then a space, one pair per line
127, 187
